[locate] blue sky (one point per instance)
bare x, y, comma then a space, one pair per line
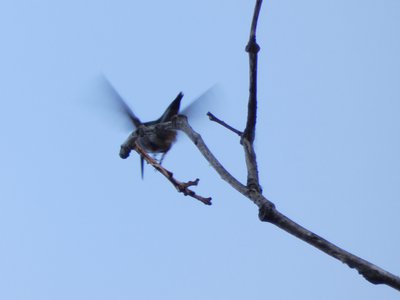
77, 222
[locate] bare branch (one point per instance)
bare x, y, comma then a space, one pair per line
250, 131
182, 187
252, 48
369, 271
267, 209
222, 123
269, 213
180, 123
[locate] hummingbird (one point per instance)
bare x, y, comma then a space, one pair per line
161, 141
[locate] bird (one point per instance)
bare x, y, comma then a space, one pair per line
158, 141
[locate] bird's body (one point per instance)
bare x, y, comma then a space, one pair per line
161, 140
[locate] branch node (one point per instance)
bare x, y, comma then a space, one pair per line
191, 183
266, 212
372, 276
252, 46
253, 186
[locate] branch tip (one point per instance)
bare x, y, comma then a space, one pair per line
222, 123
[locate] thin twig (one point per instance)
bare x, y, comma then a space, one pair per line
222, 123
182, 187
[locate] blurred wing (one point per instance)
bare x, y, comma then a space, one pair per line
119, 105
207, 101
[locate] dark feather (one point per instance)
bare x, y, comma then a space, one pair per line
120, 103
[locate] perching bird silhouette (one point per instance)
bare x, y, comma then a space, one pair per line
161, 141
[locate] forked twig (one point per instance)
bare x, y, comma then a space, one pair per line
269, 213
182, 187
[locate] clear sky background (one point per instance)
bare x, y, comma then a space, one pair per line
77, 222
